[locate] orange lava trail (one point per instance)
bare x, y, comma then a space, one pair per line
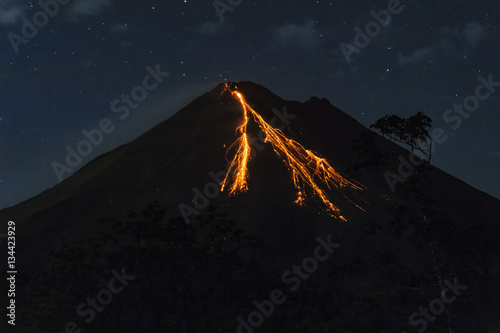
239, 165
305, 167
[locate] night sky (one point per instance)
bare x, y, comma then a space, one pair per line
64, 77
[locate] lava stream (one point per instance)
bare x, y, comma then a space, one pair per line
305, 166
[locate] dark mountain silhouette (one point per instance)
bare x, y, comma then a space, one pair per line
123, 209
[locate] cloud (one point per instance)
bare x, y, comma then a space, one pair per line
448, 42
211, 28
11, 12
297, 35
473, 33
89, 7
417, 56
119, 28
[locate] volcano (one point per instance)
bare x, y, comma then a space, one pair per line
209, 260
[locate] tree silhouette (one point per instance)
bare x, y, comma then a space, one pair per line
412, 131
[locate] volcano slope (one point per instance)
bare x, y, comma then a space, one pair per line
423, 257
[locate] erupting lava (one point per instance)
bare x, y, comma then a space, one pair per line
306, 168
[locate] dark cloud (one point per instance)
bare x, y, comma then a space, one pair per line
89, 7
473, 33
11, 11
417, 56
300, 35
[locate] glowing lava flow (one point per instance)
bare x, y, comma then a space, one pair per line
303, 164
240, 160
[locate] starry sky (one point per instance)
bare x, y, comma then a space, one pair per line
61, 76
